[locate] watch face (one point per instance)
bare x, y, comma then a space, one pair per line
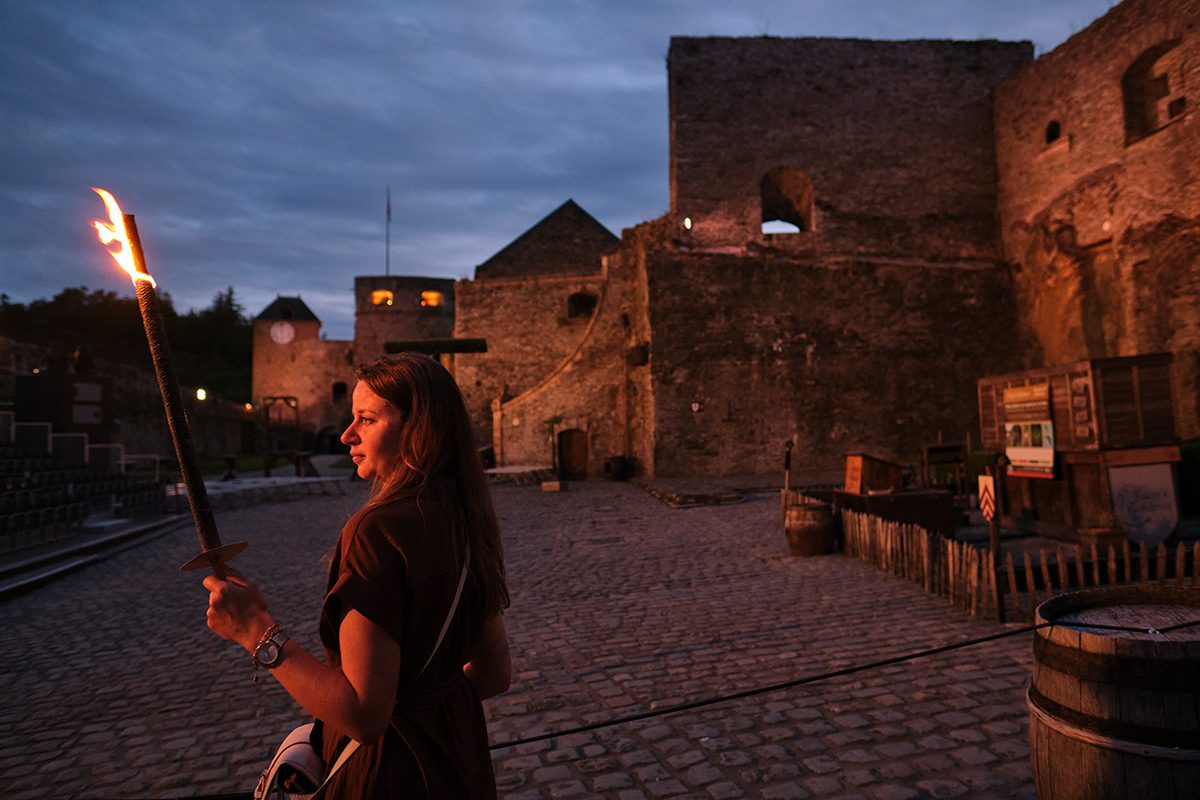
267, 653
282, 332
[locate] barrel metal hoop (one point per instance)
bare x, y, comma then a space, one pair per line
1113, 735
1160, 675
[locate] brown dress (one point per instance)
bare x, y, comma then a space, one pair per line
397, 566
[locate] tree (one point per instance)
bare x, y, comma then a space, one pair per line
212, 347
78, 324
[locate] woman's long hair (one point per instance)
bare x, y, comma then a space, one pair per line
435, 443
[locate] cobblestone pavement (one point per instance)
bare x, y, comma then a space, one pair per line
113, 687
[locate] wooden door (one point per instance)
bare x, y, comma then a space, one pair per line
572, 455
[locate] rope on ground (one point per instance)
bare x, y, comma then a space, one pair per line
725, 698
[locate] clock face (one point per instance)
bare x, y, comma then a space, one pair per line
282, 332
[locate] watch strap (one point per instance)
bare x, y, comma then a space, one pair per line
279, 640
275, 636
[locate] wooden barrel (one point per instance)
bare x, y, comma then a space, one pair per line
1116, 713
809, 528
791, 497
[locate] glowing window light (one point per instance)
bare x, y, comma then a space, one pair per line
431, 299
201, 394
381, 297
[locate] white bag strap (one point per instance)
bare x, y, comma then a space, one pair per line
462, 581
342, 758
353, 746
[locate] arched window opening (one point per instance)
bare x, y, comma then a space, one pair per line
339, 391
787, 201
431, 299
1053, 132
1152, 90
381, 297
580, 304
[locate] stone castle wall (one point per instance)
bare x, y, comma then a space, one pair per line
1098, 156
839, 358
866, 329
891, 142
587, 391
529, 328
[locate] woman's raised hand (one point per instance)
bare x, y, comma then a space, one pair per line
237, 609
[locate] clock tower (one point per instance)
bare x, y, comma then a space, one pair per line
292, 360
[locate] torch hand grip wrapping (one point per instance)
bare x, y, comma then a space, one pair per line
213, 552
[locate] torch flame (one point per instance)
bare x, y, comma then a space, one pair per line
114, 231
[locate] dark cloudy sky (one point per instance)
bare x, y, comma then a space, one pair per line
255, 140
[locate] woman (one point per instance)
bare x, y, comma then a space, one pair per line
392, 583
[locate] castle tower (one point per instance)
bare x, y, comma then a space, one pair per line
389, 308
291, 360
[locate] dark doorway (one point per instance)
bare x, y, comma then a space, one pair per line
572, 455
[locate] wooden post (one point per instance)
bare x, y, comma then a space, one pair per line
993, 579
925, 563
1012, 583
1112, 566
969, 564
973, 565
949, 553
787, 466
1031, 586
1046, 572
1160, 564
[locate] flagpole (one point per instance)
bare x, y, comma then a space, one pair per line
387, 246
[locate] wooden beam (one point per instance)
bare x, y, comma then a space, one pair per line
436, 346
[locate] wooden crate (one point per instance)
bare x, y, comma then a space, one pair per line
865, 474
1097, 404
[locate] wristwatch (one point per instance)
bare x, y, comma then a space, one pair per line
267, 653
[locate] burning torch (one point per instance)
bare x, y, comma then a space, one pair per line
122, 229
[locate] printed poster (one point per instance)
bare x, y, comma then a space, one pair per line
1029, 431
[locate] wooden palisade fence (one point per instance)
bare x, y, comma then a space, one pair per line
968, 577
